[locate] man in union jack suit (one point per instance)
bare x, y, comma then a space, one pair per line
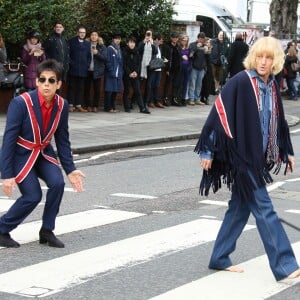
27, 154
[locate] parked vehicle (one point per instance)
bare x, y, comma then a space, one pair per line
206, 16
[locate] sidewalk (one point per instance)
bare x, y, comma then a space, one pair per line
102, 131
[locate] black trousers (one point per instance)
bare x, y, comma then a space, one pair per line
133, 83
75, 90
95, 83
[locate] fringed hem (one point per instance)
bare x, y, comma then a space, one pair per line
228, 168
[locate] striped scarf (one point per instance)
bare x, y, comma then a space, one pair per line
272, 152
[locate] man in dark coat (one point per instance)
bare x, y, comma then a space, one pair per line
56, 47
131, 76
80, 60
172, 53
237, 54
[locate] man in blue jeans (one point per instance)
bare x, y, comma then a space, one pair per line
244, 138
198, 49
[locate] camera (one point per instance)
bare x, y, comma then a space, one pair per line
148, 33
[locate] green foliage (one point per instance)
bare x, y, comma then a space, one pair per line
18, 17
129, 17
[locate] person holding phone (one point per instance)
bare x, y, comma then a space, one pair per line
95, 72
32, 55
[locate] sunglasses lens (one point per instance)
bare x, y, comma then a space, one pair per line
50, 80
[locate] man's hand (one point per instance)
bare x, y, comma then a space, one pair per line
206, 164
8, 186
292, 163
75, 179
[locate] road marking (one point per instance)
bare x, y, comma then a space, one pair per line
295, 131
208, 217
233, 286
5, 204
137, 196
28, 232
213, 202
293, 211
97, 156
293, 179
64, 272
275, 186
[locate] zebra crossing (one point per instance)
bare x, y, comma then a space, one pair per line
65, 272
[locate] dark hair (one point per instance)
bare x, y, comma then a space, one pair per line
158, 36
174, 35
58, 23
34, 34
50, 65
201, 35
131, 39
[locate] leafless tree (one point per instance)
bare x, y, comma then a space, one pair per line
284, 18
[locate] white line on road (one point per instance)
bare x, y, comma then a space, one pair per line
293, 211
295, 131
64, 272
256, 283
293, 179
275, 186
6, 203
28, 232
136, 196
97, 156
214, 202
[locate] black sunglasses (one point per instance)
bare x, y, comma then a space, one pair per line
50, 80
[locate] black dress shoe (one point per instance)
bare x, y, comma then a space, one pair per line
47, 236
145, 111
7, 241
176, 102
166, 101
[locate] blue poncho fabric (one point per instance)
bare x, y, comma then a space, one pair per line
237, 143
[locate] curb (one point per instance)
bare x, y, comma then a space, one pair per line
292, 121
96, 148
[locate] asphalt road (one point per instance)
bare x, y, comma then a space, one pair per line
139, 230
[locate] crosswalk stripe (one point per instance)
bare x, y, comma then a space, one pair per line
58, 274
293, 211
5, 204
214, 202
28, 232
136, 196
233, 286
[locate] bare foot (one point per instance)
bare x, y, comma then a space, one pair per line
295, 274
235, 269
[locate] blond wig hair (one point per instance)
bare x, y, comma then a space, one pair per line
269, 46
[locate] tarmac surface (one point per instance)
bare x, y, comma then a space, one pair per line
92, 132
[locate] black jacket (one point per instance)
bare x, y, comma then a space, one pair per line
288, 61
237, 54
56, 47
99, 61
173, 55
218, 49
131, 61
198, 56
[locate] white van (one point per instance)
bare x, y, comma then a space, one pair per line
204, 15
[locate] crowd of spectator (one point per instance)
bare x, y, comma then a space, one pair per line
191, 70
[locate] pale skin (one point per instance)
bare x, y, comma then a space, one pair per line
264, 69
48, 91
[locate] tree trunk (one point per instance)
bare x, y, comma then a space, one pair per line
284, 18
